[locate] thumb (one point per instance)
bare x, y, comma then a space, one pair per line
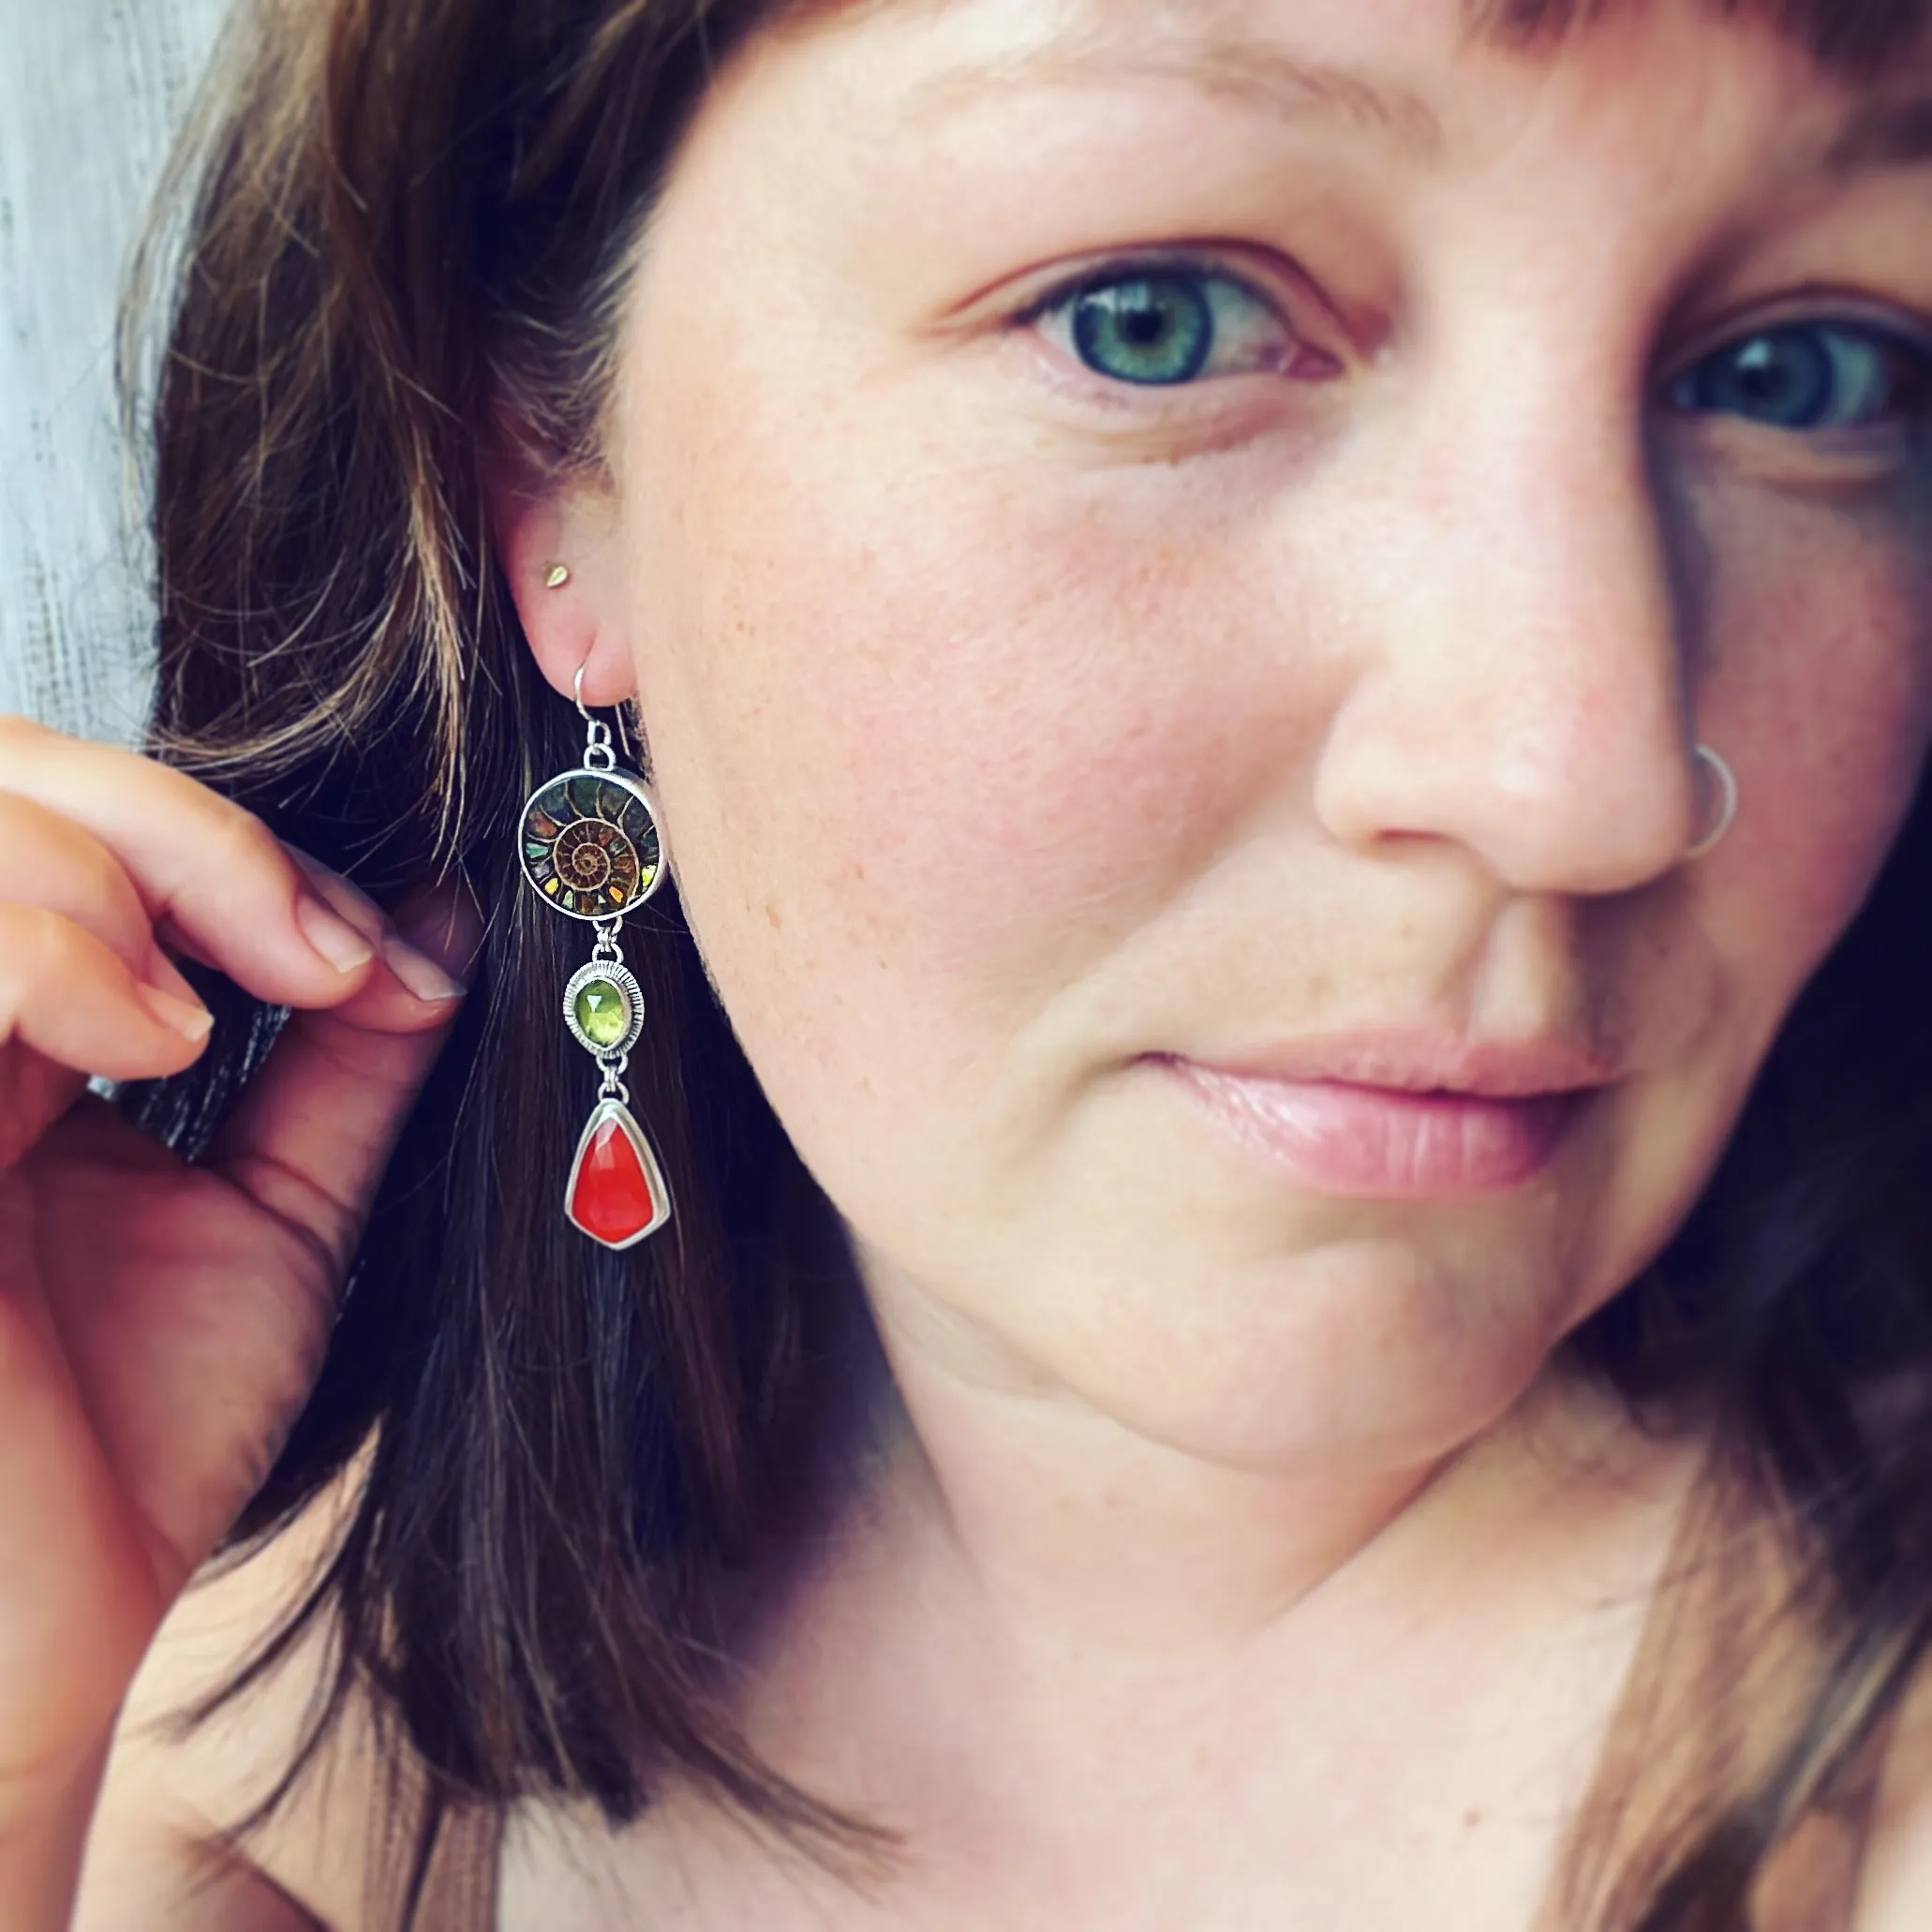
314, 1132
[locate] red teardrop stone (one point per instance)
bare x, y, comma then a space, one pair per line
610, 1192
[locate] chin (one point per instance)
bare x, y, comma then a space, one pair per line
1370, 1352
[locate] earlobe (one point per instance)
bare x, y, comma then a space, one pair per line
557, 541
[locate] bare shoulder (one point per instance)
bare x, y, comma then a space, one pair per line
155, 1859
1897, 1892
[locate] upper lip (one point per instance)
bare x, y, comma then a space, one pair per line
1425, 1062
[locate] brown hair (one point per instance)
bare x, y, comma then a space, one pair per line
407, 216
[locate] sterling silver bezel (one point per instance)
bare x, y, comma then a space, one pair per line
626, 981
653, 1174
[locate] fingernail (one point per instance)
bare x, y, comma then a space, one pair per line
191, 1020
419, 973
331, 935
338, 894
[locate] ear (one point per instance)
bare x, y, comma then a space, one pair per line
547, 525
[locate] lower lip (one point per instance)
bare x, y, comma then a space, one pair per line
1379, 1142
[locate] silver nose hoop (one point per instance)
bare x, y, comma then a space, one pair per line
1727, 802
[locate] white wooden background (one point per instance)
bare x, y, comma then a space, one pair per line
90, 93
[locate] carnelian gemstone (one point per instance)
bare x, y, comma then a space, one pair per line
610, 1193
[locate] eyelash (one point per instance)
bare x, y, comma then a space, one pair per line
1209, 290
1831, 347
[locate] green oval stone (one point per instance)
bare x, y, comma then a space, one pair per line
604, 1011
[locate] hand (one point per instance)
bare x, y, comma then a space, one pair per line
161, 1325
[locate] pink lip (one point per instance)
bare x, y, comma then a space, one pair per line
1401, 1117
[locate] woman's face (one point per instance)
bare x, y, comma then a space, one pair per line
1174, 558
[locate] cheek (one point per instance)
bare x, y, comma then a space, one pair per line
931, 744
1819, 694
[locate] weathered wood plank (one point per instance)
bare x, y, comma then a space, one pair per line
90, 92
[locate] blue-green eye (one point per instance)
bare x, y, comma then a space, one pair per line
1160, 327
1807, 376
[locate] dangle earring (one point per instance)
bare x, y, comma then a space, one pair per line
590, 847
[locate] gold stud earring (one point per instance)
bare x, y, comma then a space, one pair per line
557, 576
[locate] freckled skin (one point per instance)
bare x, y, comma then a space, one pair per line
1004, 741
1223, 1542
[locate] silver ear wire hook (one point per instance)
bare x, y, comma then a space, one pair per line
599, 752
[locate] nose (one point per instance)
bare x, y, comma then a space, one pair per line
1522, 689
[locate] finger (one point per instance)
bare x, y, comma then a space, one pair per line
419, 971
165, 975
82, 1596
68, 996
200, 863
49, 861
314, 1131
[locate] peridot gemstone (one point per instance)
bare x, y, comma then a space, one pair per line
604, 1012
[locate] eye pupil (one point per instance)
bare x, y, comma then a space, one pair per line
1786, 377
1152, 329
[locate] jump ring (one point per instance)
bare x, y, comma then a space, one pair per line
1727, 786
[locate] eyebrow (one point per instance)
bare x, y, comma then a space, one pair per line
1896, 134
1257, 73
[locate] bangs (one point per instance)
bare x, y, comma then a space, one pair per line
1854, 38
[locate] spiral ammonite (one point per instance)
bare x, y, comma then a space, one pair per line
590, 844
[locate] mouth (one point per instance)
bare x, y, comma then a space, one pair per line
1399, 1118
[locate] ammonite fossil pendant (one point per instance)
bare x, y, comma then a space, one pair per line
589, 844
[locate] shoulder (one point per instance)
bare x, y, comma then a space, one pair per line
158, 1856
1895, 1895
